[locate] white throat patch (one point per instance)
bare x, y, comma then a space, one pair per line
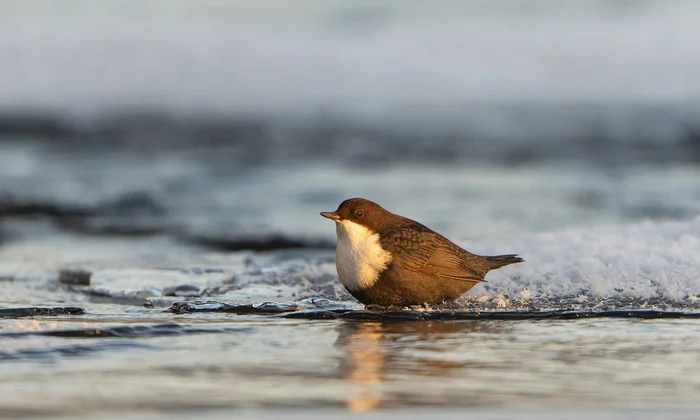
359, 256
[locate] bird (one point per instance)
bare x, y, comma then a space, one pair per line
387, 260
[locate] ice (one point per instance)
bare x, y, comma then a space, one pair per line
657, 262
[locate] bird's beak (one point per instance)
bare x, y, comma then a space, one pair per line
330, 215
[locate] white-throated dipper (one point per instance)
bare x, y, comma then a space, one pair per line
389, 260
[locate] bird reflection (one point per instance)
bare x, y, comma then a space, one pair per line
372, 351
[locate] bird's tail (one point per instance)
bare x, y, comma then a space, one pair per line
502, 260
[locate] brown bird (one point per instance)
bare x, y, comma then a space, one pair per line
389, 260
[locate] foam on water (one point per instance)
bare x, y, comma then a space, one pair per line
641, 262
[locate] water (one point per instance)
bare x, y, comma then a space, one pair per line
187, 185
128, 354
357, 366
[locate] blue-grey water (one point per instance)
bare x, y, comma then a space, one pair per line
178, 154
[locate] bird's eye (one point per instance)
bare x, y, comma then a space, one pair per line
359, 213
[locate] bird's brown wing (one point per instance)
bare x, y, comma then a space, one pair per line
415, 248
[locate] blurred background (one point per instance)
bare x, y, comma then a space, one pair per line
232, 123
154, 144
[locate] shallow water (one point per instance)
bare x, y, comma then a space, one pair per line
129, 354
219, 361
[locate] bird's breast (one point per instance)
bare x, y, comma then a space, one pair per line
360, 258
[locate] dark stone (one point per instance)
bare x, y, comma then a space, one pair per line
267, 308
74, 277
262, 243
395, 315
185, 290
28, 312
311, 315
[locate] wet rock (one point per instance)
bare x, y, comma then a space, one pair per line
33, 311
316, 308
258, 243
74, 277
160, 302
220, 290
266, 308
339, 311
11, 207
185, 290
128, 297
312, 315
